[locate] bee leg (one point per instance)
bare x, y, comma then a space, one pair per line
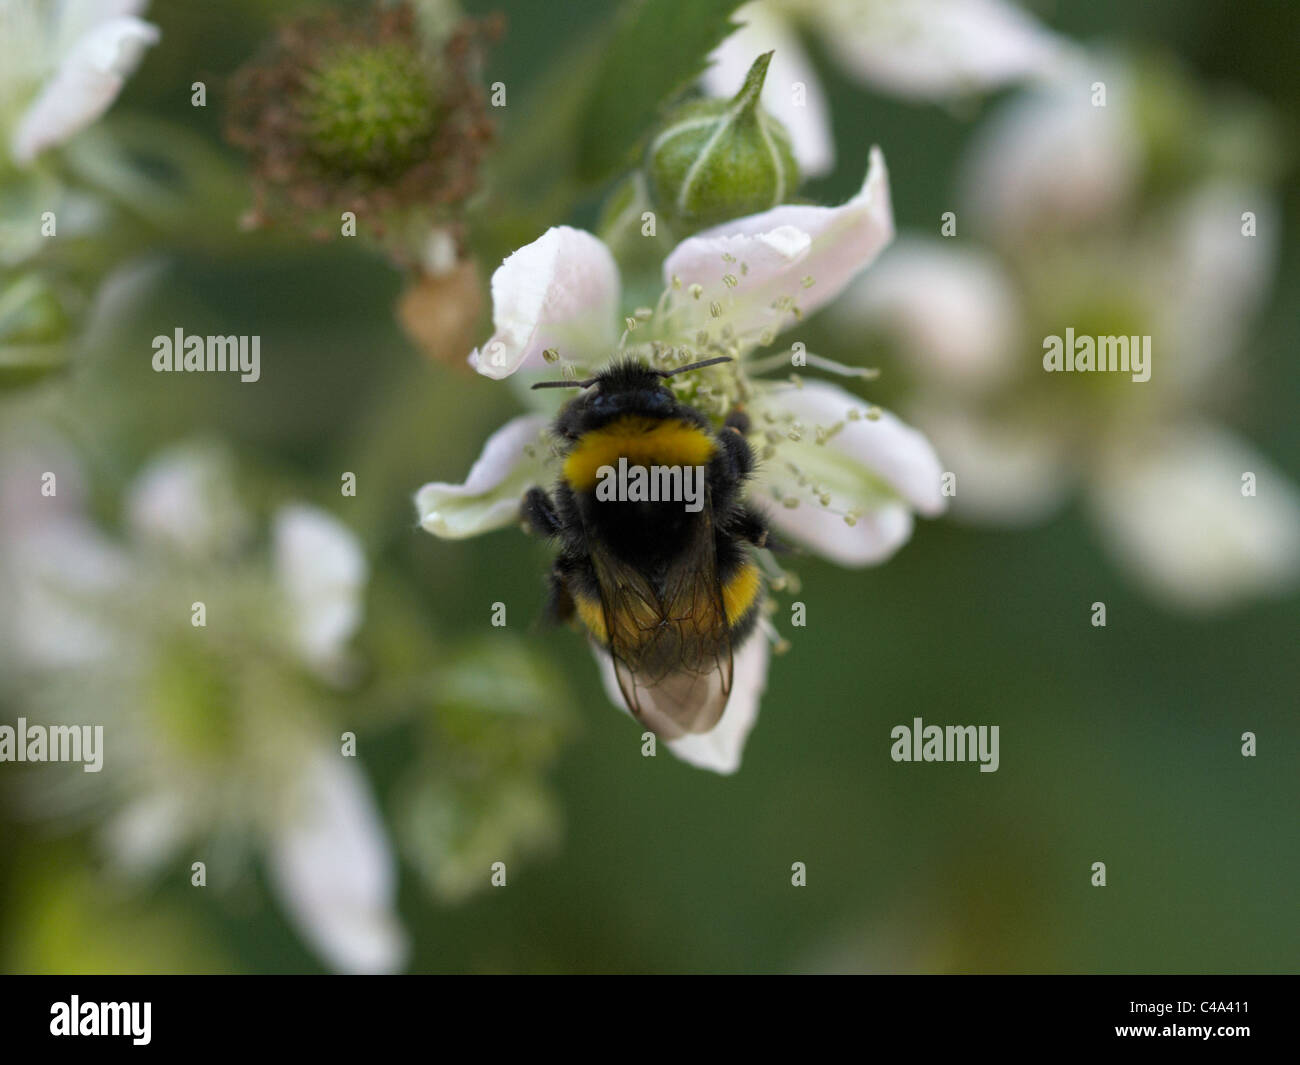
559, 605
735, 457
751, 525
539, 515
737, 419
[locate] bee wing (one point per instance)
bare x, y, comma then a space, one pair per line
671, 646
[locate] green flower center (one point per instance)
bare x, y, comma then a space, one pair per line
372, 109
194, 700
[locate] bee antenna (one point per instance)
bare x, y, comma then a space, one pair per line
694, 366
566, 384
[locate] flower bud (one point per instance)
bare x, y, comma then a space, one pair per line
714, 160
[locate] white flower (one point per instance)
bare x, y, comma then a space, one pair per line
1055, 187
63, 64
920, 49
213, 737
842, 478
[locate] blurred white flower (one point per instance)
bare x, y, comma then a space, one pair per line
321, 574
919, 49
62, 64
214, 734
1174, 512
1052, 158
1055, 187
846, 478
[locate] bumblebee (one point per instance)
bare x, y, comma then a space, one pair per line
668, 591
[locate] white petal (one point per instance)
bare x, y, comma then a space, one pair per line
322, 574
875, 538
489, 498
329, 858
1008, 472
930, 49
774, 253
57, 570
561, 291
881, 469
185, 500
29, 450
63, 575
1210, 278
76, 18
144, 833
1173, 510
86, 83
792, 92
721, 749
953, 311
1052, 160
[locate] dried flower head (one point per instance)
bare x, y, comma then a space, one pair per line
363, 113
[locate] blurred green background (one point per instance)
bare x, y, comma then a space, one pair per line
1119, 744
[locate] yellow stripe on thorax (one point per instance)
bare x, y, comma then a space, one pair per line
739, 593
642, 441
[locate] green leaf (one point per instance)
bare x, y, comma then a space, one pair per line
34, 326
22, 366
658, 49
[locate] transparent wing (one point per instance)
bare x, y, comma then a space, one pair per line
670, 643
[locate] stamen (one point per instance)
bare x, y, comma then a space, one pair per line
867, 373
825, 434
780, 645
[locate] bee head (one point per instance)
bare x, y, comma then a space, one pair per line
632, 375
627, 386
